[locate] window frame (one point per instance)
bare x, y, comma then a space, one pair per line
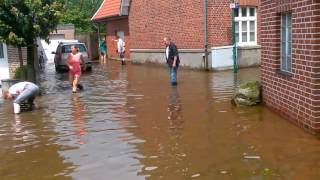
288, 66
248, 19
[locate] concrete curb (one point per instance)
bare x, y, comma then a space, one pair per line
118, 59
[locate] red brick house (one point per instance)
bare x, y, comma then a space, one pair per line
290, 39
184, 21
114, 15
149, 21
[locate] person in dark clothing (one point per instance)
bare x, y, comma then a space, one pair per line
172, 57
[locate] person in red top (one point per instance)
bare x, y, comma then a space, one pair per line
74, 61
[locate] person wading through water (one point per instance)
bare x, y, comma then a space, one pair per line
173, 60
121, 49
74, 61
103, 51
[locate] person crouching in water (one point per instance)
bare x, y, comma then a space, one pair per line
74, 61
22, 92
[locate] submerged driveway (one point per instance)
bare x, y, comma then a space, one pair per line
129, 123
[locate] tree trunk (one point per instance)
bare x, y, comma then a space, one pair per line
36, 63
31, 75
20, 56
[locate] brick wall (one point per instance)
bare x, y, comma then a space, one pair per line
151, 20
112, 28
68, 33
13, 58
259, 21
295, 97
67, 30
219, 23
248, 2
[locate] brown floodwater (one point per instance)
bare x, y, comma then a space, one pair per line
129, 123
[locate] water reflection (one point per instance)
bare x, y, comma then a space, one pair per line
78, 112
175, 112
17, 125
28, 147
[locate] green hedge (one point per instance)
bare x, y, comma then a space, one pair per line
20, 73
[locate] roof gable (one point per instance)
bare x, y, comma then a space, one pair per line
108, 8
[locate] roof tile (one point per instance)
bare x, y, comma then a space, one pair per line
107, 9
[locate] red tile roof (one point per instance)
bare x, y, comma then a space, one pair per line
108, 8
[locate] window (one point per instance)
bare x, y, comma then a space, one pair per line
237, 31
67, 48
124, 7
252, 31
120, 34
244, 31
286, 42
252, 12
243, 12
246, 26
236, 12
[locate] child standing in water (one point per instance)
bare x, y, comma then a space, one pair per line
103, 51
74, 61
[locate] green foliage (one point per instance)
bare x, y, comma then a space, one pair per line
21, 21
20, 73
250, 89
79, 13
247, 94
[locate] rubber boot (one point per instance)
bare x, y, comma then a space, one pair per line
123, 62
80, 87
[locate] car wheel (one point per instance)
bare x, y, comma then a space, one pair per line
89, 69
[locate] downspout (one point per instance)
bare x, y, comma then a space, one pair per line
234, 43
99, 33
97, 26
205, 27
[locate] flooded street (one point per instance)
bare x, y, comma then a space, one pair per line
129, 123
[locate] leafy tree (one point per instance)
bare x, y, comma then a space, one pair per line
22, 21
79, 13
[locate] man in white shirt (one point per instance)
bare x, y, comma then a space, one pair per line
173, 60
121, 49
22, 92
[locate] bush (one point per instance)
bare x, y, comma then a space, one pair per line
20, 73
